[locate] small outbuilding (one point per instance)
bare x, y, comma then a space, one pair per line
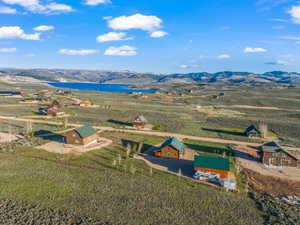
85, 135
54, 111
140, 122
172, 148
273, 155
85, 103
253, 132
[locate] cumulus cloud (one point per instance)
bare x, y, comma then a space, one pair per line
253, 50
124, 50
224, 56
158, 34
15, 32
295, 14
44, 28
96, 2
278, 63
113, 36
36, 7
7, 10
184, 66
136, 21
8, 50
81, 52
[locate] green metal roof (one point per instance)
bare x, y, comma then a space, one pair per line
86, 131
174, 142
211, 162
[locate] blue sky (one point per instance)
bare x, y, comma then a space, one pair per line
151, 35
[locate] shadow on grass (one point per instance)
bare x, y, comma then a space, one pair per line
224, 132
49, 135
117, 122
134, 145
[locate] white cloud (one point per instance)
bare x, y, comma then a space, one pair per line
136, 21
295, 14
44, 28
113, 36
224, 56
7, 10
54, 7
81, 52
124, 50
8, 50
36, 7
158, 34
184, 66
15, 32
278, 62
96, 2
253, 50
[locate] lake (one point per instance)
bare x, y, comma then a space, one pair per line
121, 88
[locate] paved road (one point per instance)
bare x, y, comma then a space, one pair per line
152, 133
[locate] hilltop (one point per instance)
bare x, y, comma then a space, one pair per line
135, 78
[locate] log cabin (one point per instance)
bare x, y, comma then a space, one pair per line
85, 135
273, 155
172, 148
140, 122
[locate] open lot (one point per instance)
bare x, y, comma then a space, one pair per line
6, 137
61, 148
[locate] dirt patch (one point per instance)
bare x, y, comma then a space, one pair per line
289, 173
5, 137
272, 185
61, 148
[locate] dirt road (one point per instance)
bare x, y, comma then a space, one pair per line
152, 133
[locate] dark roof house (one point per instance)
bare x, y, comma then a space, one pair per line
253, 132
272, 154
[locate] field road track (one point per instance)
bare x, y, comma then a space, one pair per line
151, 133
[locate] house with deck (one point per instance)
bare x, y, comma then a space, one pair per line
214, 169
172, 148
140, 122
273, 155
85, 135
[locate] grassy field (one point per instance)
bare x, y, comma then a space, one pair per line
90, 186
106, 187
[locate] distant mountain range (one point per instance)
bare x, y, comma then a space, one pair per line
134, 78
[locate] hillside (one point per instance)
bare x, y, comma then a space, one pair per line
128, 77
